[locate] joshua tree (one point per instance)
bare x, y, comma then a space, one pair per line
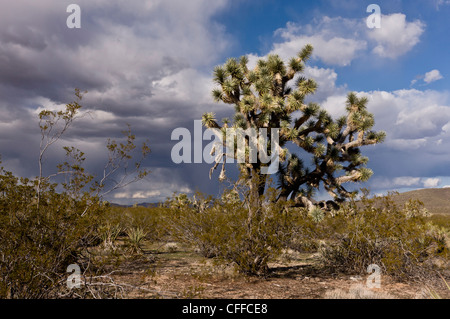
263, 98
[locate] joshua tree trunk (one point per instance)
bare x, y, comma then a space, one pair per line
257, 185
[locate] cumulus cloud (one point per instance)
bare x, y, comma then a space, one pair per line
401, 144
427, 78
118, 53
334, 51
432, 76
439, 3
431, 182
403, 182
396, 35
326, 79
406, 181
333, 42
410, 114
338, 41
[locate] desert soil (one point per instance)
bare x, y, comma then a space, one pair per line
172, 270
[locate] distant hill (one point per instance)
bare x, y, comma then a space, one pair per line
140, 205
436, 200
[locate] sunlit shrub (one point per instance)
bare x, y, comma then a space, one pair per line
135, 237
377, 231
221, 228
38, 242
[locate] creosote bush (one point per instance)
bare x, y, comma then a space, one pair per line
38, 243
377, 231
221, 228
46, 226
400, 239
120, 221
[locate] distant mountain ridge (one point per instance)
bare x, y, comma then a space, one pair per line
436, 200
139, 205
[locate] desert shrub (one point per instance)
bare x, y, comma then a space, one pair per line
39, 241
149, 219
377, 231
221, 228
135, 237
198, 221
311, 229
108, 233
441, 220
45, 226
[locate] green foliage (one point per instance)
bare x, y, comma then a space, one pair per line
45, 227
121, 222
377, 231
317, 214
135, 236
222, 228
441, 222
38, 243
195, 221
109, 233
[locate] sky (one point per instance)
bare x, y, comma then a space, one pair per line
149, 64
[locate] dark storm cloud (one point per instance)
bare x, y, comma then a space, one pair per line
139, 61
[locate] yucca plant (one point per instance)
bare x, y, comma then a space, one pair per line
135, 236
109, 234
317, 214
